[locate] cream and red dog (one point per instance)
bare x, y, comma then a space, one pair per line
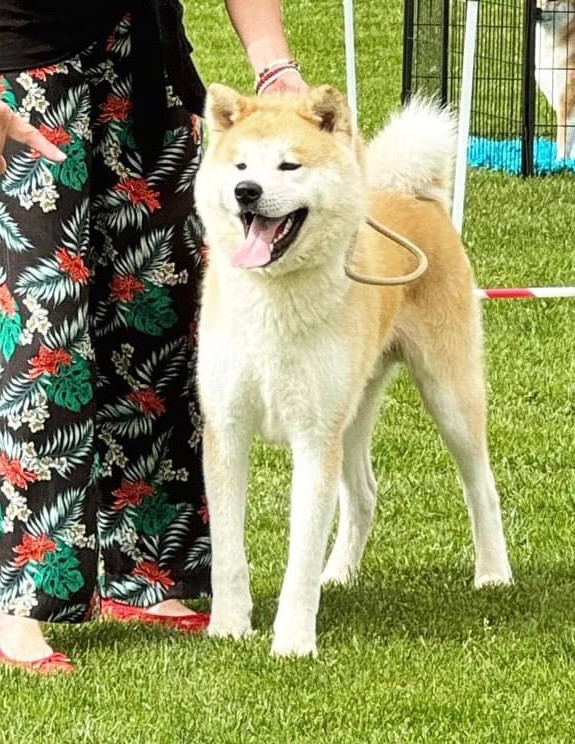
292, 349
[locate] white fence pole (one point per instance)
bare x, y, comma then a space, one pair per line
350, 58
472, 11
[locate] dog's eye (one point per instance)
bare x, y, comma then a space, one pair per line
289, 166
241, 166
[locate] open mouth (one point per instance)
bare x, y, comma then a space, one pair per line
267, 239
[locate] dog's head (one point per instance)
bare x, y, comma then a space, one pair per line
281, 186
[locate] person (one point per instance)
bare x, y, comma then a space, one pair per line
101, 492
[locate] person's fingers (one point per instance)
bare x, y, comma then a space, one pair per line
23, 132
13, 126
2, 165
5, 119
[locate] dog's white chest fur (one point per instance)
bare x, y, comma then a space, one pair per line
267, 360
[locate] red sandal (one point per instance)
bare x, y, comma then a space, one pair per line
195, 622
55, 663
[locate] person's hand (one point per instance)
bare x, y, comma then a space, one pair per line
289, 82
14, 127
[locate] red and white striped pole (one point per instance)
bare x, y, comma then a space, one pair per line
524, 293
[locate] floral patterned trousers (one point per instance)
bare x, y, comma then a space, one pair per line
101, 490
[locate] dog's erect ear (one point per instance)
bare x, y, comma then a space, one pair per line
224, 107
328, 109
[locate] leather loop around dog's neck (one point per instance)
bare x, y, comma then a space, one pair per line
390, 281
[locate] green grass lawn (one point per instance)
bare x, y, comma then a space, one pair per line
411, 652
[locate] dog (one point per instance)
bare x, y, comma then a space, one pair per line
555, 67
291, 348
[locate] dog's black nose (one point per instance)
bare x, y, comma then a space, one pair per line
248, 192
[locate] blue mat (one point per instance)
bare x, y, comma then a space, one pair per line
505, 155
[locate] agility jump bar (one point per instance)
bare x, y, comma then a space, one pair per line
524, 293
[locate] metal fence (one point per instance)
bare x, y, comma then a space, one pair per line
519, 48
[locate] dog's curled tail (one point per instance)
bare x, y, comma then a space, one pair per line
415, 152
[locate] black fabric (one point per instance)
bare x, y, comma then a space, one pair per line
185, 79
149, 91
36, 33
159, 42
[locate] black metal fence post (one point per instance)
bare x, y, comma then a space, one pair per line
529, 91
407, 67
444, 51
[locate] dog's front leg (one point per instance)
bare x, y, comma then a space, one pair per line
317, 471
226, 458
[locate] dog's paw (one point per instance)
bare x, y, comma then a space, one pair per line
494, 578
294, 645
337, 573
227, 627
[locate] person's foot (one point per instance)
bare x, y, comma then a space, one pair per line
170, 608
22, 644
170, 612
22, 639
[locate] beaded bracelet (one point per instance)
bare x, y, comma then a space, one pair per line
272, 73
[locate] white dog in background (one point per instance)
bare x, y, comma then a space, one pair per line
291, 348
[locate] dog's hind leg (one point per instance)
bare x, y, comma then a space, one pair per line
570, 136
358, 488
447, 369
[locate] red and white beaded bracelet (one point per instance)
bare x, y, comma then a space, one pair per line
273, 72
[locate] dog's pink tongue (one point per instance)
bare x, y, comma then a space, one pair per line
256, 249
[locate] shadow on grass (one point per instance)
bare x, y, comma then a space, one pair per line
431, 605
106, 636
437, 605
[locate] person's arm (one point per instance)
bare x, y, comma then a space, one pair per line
14, 127
258, 24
